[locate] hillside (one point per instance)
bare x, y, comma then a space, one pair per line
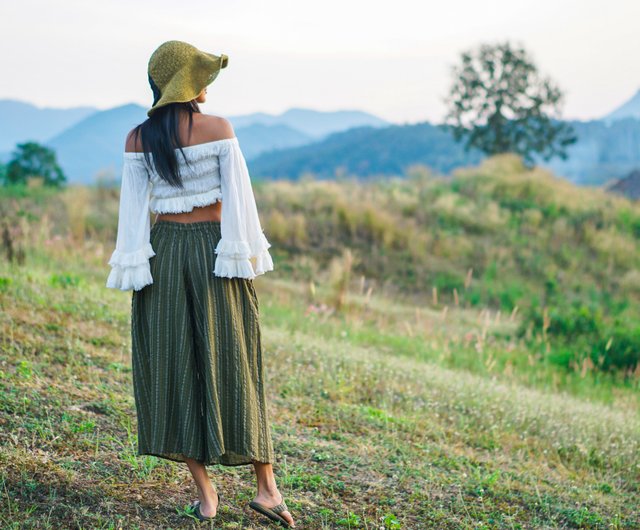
406, 386
88, 142
22, 121
327, 144
497, 235
603, 152
367, 152
312, 123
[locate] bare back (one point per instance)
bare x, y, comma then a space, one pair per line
206, 128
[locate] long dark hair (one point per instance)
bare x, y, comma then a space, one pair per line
160, 137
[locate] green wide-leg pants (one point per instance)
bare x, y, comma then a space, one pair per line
198, 375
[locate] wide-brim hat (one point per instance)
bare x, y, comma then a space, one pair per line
180, 71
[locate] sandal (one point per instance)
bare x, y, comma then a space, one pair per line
273, 512
198, 513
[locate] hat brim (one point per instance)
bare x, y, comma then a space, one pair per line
189, 81
224, 59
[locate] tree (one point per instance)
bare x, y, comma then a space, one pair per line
32, 159
500, 104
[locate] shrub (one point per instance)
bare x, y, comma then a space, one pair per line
579, 329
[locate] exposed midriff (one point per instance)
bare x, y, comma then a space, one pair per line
210, 212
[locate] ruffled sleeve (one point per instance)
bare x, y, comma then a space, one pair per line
242, 235
130, 268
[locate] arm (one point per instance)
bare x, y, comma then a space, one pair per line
241, 231
130, 259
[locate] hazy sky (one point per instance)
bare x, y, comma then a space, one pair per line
390, 58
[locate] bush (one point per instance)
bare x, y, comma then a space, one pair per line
578, 329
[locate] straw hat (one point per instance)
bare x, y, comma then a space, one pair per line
179, 71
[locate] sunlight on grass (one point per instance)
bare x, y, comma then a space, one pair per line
417, 372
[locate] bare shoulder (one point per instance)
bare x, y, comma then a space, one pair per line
132, 144
207, 128
216, 127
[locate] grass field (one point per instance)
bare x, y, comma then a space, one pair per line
388, 411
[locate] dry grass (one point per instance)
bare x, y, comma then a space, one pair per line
390, 409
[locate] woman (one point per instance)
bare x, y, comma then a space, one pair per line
196, 341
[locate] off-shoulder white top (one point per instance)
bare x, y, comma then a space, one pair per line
217, 171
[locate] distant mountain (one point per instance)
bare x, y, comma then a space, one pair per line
368, 152
314, 123
258, 138
629, 109
22, 121
288, 144
603, 152
95, 143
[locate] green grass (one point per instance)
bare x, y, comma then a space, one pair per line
389, 408
498, 235
369, 431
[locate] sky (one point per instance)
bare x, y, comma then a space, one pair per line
392, 58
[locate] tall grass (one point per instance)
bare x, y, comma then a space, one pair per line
416, 371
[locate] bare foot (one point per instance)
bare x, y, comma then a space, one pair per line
273, 499
208, 509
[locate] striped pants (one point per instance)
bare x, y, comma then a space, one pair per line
197, 368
